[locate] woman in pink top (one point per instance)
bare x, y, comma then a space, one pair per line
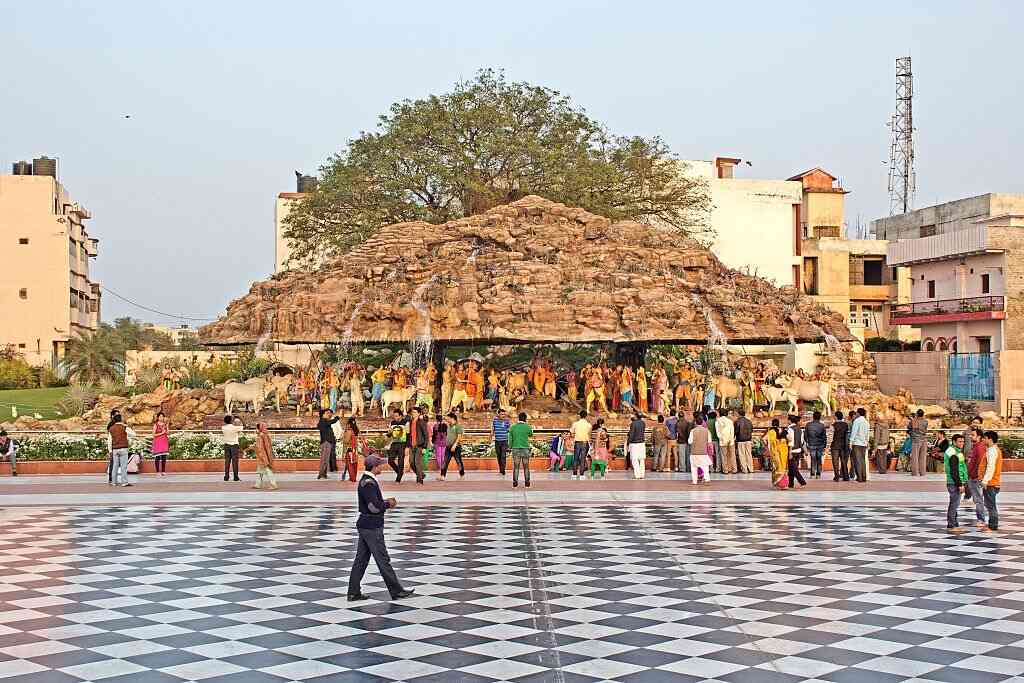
161, 444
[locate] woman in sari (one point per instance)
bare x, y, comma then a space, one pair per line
264, 459
352, 444
778, 451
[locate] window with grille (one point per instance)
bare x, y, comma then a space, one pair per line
927, 231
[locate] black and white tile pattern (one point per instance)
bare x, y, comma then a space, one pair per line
759, 594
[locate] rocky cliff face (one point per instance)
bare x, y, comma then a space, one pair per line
530, 271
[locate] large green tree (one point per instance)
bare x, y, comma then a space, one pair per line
487, 142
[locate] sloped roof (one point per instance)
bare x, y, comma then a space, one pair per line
532, 271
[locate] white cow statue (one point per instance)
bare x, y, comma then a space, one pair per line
252, 391
777, 394
807, 390
399, 396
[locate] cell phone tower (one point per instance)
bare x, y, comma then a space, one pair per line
902, 177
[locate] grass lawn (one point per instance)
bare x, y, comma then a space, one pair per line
31, 401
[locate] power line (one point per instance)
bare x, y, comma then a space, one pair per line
153, 310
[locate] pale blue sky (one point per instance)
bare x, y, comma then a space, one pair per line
228, 98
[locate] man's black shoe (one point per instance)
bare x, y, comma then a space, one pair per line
357, 597
403, 594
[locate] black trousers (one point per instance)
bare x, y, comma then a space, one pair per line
416, 454
501, 452
841, 465
231, 453
794, 472
332, 462
453, 453
579, 458
371, 543
161, 462
396, 458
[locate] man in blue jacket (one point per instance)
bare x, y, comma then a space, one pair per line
370, 527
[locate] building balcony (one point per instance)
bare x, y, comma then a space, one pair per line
949, 310
972, 241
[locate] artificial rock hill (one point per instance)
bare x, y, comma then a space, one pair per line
532, 271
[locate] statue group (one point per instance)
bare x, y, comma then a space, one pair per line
690, 381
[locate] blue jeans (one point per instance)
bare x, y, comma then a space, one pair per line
817, 454
978, 498
120, 466
683, 463
954, 505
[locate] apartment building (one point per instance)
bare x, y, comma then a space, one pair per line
967, 260
46, 294
304, 184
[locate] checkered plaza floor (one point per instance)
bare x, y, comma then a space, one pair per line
573, 593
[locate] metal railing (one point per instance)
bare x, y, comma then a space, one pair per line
976, 304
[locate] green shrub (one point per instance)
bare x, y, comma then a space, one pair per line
15, 373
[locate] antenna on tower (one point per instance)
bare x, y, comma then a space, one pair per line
902, 177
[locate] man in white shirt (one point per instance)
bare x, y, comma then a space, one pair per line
230, 432
860, 433
727, 442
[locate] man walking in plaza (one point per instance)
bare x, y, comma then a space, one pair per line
744, 429
659, 439
519, 441
955, 466
795, 441
499, 436
991, 479
453, 445
672, 426
328, 441
860, 434
726, 433
816, 438
840, 448
398, 431
636, 447
918, 429
370, 527
581, 431
230, 432
418, 440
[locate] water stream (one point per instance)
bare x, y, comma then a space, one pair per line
422, 344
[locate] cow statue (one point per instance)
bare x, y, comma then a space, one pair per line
280, 384
396, 396
801, 389
252, 391
726, 389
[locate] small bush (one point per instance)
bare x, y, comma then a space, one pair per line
48, 378
147, 380
113, 387
79, 399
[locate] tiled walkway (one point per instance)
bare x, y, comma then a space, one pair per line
563, 592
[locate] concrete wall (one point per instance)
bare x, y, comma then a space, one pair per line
948, 217
822, 208
925, 373
282, 207
955, 281
53, 263
1009, 379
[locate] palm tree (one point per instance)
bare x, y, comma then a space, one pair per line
91, 357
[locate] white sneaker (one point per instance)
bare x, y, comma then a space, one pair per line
441, 479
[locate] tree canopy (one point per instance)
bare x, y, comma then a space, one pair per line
488, 142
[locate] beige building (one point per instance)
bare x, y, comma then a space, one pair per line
849, 276
756, 222
177, 334
46, 296
304, 184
